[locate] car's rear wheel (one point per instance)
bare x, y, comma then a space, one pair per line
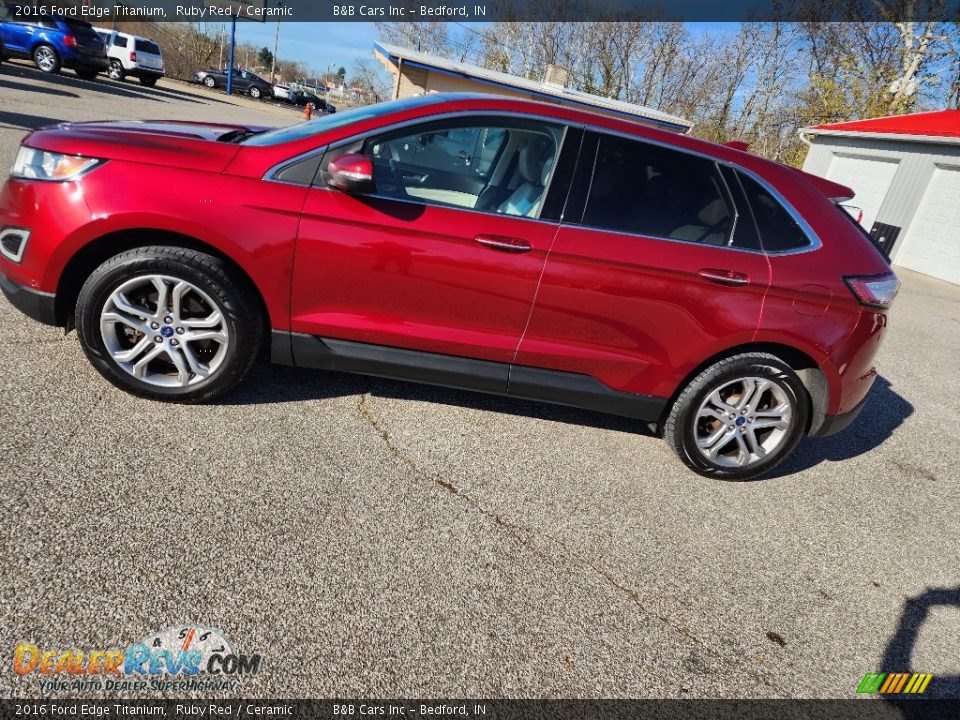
739, 418
169, 324
255, 92
209, 82
115, 71
46, 59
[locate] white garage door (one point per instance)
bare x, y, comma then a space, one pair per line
870, 179
932, 242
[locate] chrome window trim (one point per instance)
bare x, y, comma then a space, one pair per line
815, 242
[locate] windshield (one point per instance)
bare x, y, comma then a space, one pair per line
329, 122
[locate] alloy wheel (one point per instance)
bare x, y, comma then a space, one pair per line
46, 59
743, 421
164, 331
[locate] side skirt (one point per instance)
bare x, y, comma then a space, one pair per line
519, 381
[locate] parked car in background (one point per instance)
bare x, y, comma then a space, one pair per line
319, 105
480, 242
282, 92
243, 81
52, 41
132, 55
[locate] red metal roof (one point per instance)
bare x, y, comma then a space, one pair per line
942, 123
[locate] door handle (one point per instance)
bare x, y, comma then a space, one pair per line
504, 243
724, 277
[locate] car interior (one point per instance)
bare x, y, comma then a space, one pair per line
648, 190
502, 170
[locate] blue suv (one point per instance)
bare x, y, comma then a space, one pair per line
51, 41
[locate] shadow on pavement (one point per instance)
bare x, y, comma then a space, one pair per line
27, 122
42, 89
102, 84
884, 412
279, 384
898, 656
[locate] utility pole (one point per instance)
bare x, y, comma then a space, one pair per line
276, 48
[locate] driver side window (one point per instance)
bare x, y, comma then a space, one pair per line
497, 167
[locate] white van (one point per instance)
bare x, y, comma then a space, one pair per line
132, 55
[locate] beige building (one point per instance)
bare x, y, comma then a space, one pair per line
417, 73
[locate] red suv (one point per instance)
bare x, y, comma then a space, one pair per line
476, 242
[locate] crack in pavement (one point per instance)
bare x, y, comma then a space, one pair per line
525, 537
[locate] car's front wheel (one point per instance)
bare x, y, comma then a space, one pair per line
169, 324
46, 59
739, 418
115, 71
209, 82
255, 92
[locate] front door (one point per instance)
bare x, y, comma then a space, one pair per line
445, 255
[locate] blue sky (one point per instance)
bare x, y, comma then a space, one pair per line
322, 44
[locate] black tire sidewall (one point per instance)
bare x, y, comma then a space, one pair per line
240, 318
681, 427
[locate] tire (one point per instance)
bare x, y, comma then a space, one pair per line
115, 71
117, 313
86, 74
148, 81
46, 59
255, 92
760, 417
209, 82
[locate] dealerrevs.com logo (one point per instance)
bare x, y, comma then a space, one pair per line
183, 658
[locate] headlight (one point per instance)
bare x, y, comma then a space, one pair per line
34, 164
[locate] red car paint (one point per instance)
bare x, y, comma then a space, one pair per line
639, 314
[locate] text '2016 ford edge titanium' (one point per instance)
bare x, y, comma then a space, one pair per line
476, 242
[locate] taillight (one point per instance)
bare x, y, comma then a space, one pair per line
133, 57
874, 290
69, 41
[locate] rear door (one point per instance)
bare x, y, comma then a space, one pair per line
652, 270
443, 257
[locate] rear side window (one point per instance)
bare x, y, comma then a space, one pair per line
120, 41
777, 229
649, 190
147, 46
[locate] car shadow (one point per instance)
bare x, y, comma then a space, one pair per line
280, 384
24, 121
104, 85
883, 413
898, 655
42, 89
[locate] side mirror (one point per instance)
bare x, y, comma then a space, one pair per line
351, 173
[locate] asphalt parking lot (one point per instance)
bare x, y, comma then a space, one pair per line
374, 538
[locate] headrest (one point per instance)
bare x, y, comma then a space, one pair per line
714, 213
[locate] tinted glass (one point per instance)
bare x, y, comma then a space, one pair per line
745, 229
650, 190
147, 46
777, 228
120, 41
492, 166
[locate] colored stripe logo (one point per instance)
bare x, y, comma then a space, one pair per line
894, 683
